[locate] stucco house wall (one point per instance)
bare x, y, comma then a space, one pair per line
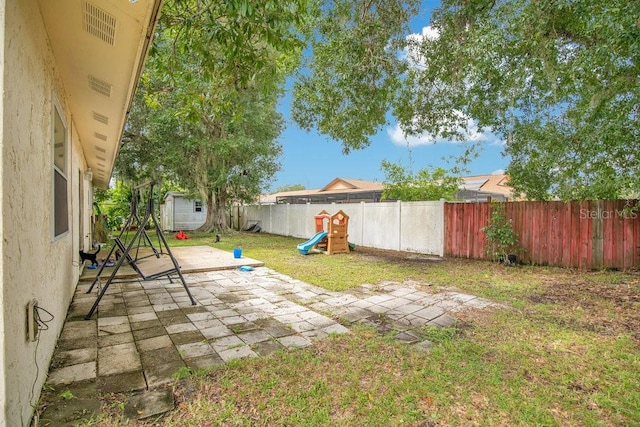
33, 263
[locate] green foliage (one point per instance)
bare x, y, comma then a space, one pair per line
559, 81
115, 204
183, 372
205, 114
237, 42
67, 395
402, 184
346, 89
290, 187
501, 237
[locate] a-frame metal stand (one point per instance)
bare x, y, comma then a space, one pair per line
120, 242
158, 264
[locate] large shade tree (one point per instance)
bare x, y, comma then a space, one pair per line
558, 80
205, 112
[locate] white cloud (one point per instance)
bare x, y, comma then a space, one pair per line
428, 33
469, 133
498, 172
412, 52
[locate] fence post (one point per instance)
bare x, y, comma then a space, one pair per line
442, 227
597, 237
362, 219
399, 204
288, 212
309, 214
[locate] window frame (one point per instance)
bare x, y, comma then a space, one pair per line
60, 182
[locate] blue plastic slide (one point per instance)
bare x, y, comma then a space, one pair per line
305, 247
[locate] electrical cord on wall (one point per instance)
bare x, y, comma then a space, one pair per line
43, 325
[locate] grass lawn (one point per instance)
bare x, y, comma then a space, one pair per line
566, 352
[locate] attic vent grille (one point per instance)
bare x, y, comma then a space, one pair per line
101, 158
100, 149
99, 23
100, 136
100, 86
100, 118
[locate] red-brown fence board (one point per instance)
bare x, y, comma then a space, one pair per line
586, 235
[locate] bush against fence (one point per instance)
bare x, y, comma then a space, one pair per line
587, 235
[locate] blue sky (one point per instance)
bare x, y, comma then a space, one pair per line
313, 160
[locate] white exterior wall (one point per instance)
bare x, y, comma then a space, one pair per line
33, 265
406, 226
3, 329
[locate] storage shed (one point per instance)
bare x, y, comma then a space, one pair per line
181, 213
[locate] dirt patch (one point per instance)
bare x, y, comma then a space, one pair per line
607, 308
372, 254
604, 302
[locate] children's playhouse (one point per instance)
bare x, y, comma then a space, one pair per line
330, 234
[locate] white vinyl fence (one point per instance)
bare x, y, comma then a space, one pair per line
404, 226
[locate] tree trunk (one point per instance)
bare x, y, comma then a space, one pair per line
216, 215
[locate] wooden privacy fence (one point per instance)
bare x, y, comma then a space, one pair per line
587, 235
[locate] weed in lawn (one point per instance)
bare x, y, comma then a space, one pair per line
439, 335
67, 395
183, 372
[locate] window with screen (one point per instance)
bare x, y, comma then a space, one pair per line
60, 197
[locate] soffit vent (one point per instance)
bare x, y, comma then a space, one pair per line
100, 86
100, 118
100, 149
101, 158
99, 23
100, 136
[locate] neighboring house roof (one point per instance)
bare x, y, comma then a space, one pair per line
497, 184
485, 185
344, 184
339, 186
273, 198
99, 48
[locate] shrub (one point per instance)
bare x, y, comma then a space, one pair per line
501, 238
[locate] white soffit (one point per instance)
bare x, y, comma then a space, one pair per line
99, 47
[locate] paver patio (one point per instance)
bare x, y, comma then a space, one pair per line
146, 331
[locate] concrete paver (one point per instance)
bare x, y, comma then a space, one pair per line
146, 331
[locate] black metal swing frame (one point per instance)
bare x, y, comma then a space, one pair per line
149, 267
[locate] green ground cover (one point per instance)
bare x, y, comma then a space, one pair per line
565, 352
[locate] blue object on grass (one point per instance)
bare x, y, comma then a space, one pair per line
305, 247
245, 268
